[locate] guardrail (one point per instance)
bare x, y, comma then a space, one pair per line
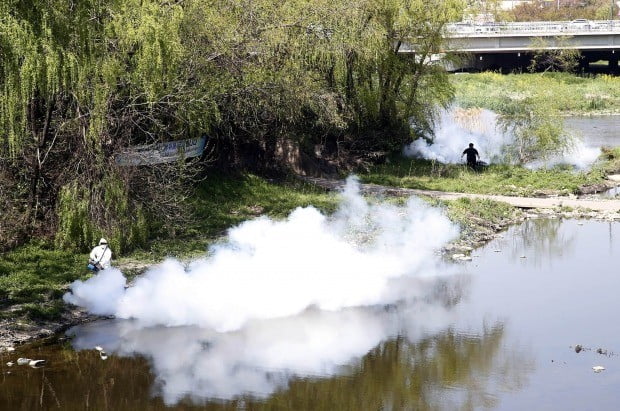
538, 27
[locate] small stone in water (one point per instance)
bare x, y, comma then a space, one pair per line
10, 349
598, 368
578, 348
98, 348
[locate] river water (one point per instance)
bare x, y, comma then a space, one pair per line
499, 332
596, 131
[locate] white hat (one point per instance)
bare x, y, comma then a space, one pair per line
103, 241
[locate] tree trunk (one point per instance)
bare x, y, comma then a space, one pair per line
41, 139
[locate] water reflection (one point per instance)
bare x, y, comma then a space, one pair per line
401, 356
538, 242
261, 358
596, 131
448, 370
74, 380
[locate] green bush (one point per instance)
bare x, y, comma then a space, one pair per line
104, 210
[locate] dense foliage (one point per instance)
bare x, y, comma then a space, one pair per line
542, 10
563, 10
272, 84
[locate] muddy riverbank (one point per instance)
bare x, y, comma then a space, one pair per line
16, 332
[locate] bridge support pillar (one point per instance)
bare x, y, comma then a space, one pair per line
583, 64
613, 63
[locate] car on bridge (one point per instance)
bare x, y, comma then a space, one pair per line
581, 23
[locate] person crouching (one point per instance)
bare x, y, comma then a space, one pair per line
100, 256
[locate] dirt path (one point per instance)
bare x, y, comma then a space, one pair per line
594, 204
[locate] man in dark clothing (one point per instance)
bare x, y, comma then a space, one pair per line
472, 156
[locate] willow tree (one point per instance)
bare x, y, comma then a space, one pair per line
538, 133
553, 54
332, 71
45, 47
257, 59
411, 85
80, 81
378, 55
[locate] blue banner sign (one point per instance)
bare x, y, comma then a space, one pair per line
161, 153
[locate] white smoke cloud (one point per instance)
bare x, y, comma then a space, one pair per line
457, 128
454, 131
274, 269
580, 156
100, 294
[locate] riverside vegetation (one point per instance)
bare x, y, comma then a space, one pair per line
562, 93
83, 81
33, 277
496, 179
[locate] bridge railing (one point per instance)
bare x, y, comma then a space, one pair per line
537, 27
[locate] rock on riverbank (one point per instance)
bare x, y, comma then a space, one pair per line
17, 332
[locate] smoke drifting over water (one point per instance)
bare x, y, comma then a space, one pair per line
458, 127
262, 357
275, 269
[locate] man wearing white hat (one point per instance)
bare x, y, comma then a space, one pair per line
100, 256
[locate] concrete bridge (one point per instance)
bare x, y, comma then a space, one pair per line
510, 45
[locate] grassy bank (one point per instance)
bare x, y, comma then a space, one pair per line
496, 179
34, 277
479, 219
566, 93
